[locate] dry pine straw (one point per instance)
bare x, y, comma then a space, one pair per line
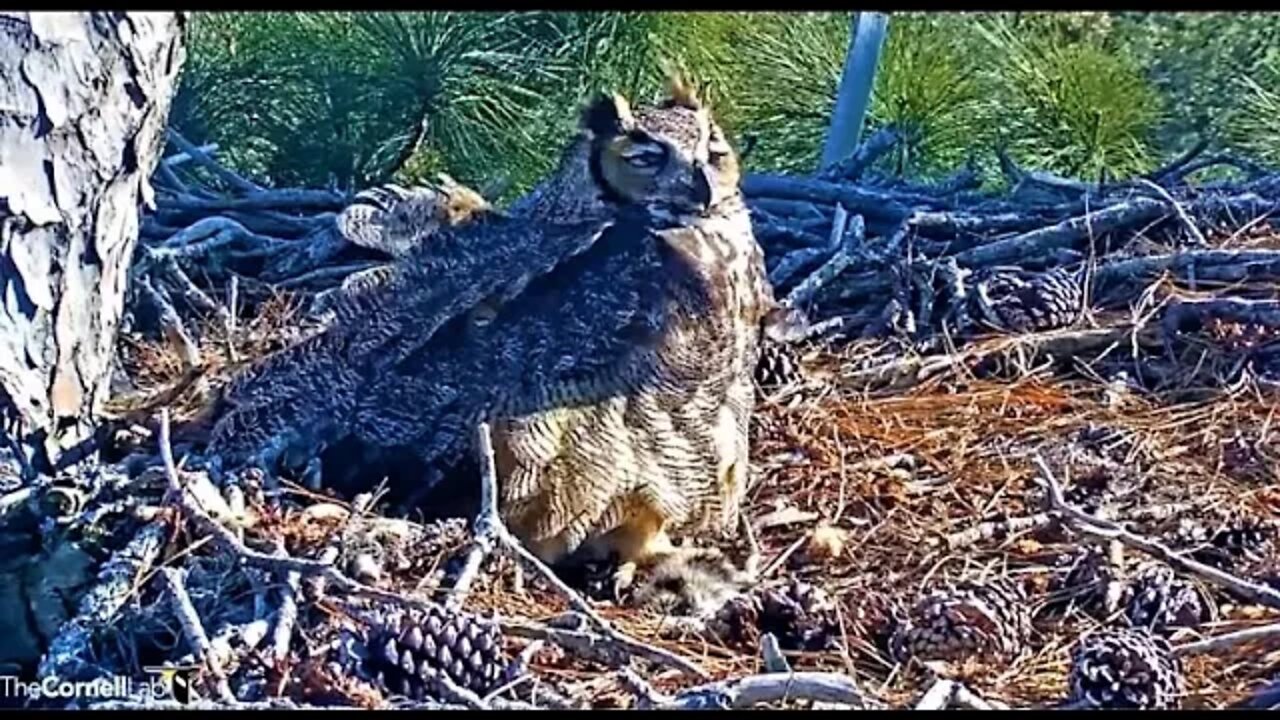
815, 453
812, 456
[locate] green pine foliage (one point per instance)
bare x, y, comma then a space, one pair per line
1255, 126
352, 99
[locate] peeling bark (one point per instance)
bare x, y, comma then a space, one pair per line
84, 101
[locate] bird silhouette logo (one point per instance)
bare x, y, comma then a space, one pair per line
176, 680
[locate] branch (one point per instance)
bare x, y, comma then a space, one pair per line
1229, 640
753, 690
207, 162
872, 149
194, 633
1091, 526
180, 158
1068, 233
851, 237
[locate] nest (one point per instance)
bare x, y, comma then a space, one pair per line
916, 446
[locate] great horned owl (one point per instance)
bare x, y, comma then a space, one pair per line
612, 352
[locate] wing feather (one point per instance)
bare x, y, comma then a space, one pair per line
585, 329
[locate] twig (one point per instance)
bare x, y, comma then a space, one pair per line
1091, 526
198, 155
1177, 206
756, 689
605, 648
490, 522
193, 631
1229, 640
988, 530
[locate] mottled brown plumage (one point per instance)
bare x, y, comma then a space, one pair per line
607, 328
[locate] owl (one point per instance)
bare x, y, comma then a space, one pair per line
607, 329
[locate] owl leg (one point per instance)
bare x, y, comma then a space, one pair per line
637, 542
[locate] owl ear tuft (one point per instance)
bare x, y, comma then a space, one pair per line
607, 115
681, 91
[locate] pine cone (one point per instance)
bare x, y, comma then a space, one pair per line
801, 616
1157, 599
408, 648
738, 622
991, 621
1125, 669
1012, 300
1081, 577
778, 366
1235, 537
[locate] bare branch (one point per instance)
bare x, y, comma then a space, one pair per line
1094, 527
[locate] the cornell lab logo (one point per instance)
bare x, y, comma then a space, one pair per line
176, 680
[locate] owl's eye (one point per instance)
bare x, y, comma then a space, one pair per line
645, 156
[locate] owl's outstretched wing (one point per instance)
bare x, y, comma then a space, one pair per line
499, 312
587, 327
465, 274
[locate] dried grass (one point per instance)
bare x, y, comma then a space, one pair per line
899, 471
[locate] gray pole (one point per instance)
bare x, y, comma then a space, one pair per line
867, 34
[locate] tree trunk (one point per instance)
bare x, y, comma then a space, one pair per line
867, 33
84, 101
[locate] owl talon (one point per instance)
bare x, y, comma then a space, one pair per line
624, 578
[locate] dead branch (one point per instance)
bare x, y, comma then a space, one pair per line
193, 631
201, 158
989, 530
1065, 234
1100, 529
871, 149
755, 690
850, 240
1229, 640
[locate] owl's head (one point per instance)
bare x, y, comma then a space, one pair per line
671, 157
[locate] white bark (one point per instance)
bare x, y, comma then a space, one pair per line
84, 100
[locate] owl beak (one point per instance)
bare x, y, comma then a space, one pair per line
703, 187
